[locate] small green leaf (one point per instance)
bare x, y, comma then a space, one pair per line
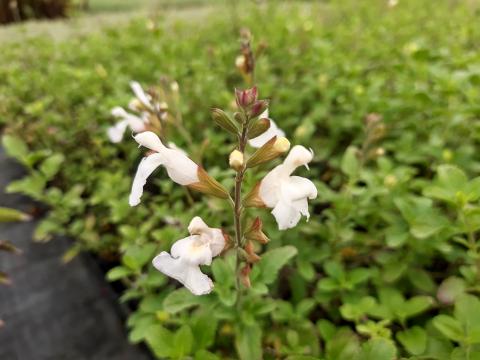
51, 165
136, 256
8, 215
118, 272
248, 342
414, 340
160, 340
378, 349
15, 147
449, 327
205, 355
182, 342
350, 164
273, 260
181, 299
204, 328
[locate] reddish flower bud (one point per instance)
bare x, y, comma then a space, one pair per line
246, 98
258, 108
255, 232
245, 275
251, 256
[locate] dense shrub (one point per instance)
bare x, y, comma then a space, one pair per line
387, 97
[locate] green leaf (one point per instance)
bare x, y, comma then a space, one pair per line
205, 355
334, 269
181, 299
15, 147
378, 349
136, 256
344, 345
118, 273
449, 327
51, 165
350, 164
417, 305
141, 328
204, 328
182, 342
273, 260
32, 186
414, 340
248, 342
327, 329
160, 340
8, 215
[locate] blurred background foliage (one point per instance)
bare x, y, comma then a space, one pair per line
385, 93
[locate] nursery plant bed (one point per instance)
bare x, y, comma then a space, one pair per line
54, 310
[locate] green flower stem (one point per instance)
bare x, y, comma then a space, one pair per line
237, 213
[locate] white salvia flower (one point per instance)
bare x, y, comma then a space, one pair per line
141, 95
136, 124
272, 131
180, 168
182, 264
288, 195
172, 145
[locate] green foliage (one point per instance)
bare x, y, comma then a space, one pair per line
388, 265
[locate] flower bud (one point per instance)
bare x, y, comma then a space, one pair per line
253, 198
208, 185
240, 63
258, 108
258, 128
245, 275
136, 105
269, 151
255, 232
250, 251
246, 98
235, 160
240, 118
224, 121
9, 247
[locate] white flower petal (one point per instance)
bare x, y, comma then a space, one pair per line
197, 226
189, 275
193, 250
272, 131
115, 132
217, 241
145, 169
286, 215
297, 188
298, 156
136, 123
288, 195
172, 146
150, 140
140, 94
180, 168
270, 186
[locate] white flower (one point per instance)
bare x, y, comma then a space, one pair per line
288, 195
180, 168
182, 264
135, 123
272, 131
141, 95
